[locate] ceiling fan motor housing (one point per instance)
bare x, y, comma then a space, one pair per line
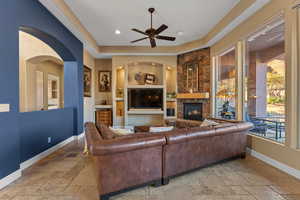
151, 10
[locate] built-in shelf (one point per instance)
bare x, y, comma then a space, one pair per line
124, 79
171, 117
171, 99
103, 106
145, 86
145, 112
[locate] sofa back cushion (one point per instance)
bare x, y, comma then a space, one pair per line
106, 132
182, 123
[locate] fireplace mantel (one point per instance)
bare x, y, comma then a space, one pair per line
203, 95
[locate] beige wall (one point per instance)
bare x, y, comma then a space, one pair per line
32, 51
288, 153
89, 102
102, 65
124, 60
48, 68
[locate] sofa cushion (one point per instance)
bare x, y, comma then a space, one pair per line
106, 132
182, 123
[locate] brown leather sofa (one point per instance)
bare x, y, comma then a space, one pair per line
201, 146
125, 162
153, 158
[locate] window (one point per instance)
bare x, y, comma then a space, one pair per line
225, 85
265, 81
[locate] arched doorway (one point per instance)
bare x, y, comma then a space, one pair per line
44, 84
47, 113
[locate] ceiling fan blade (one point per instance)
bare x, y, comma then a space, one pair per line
161, 29
136, 30
139, 40
153, 43
165, 38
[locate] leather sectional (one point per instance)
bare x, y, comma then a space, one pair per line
126, 162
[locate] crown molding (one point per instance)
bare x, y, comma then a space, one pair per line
242, 11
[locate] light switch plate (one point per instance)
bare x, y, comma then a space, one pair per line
4, 108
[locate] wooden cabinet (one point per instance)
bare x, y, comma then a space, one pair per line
104, 116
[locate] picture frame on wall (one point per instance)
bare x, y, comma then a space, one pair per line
150, 79
192, 76
104, 81
87, 81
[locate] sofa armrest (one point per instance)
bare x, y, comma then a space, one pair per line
245, 126
106, 147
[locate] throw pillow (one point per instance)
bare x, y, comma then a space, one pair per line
106, 133
207, 122
161, 129
122, 131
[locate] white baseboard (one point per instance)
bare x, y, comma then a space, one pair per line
79, 136
283, 167
17, 174
10, 178
44, 154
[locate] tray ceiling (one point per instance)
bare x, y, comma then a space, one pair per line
195, 18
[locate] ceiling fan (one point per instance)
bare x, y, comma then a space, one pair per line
153, 33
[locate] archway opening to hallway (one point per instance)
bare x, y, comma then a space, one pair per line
41, 75
49, 93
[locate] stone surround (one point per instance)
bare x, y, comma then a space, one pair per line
202, 57
205, 108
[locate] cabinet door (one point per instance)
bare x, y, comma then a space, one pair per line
104, 117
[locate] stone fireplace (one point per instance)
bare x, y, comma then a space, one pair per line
201, 97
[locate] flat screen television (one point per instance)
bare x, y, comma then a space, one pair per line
145, 98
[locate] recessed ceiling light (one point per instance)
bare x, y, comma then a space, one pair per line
179, 33
117, 32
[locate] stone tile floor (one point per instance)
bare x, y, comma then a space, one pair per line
67, 175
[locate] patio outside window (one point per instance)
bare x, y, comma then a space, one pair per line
265, 81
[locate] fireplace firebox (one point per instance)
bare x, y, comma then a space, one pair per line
193, 111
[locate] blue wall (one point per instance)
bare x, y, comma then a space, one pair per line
20, 140
34, 138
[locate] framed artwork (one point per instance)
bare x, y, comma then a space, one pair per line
192, 77
104, 81
87, 82
149, 79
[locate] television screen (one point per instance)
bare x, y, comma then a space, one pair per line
145, 98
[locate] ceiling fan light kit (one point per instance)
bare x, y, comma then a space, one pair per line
153, 33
